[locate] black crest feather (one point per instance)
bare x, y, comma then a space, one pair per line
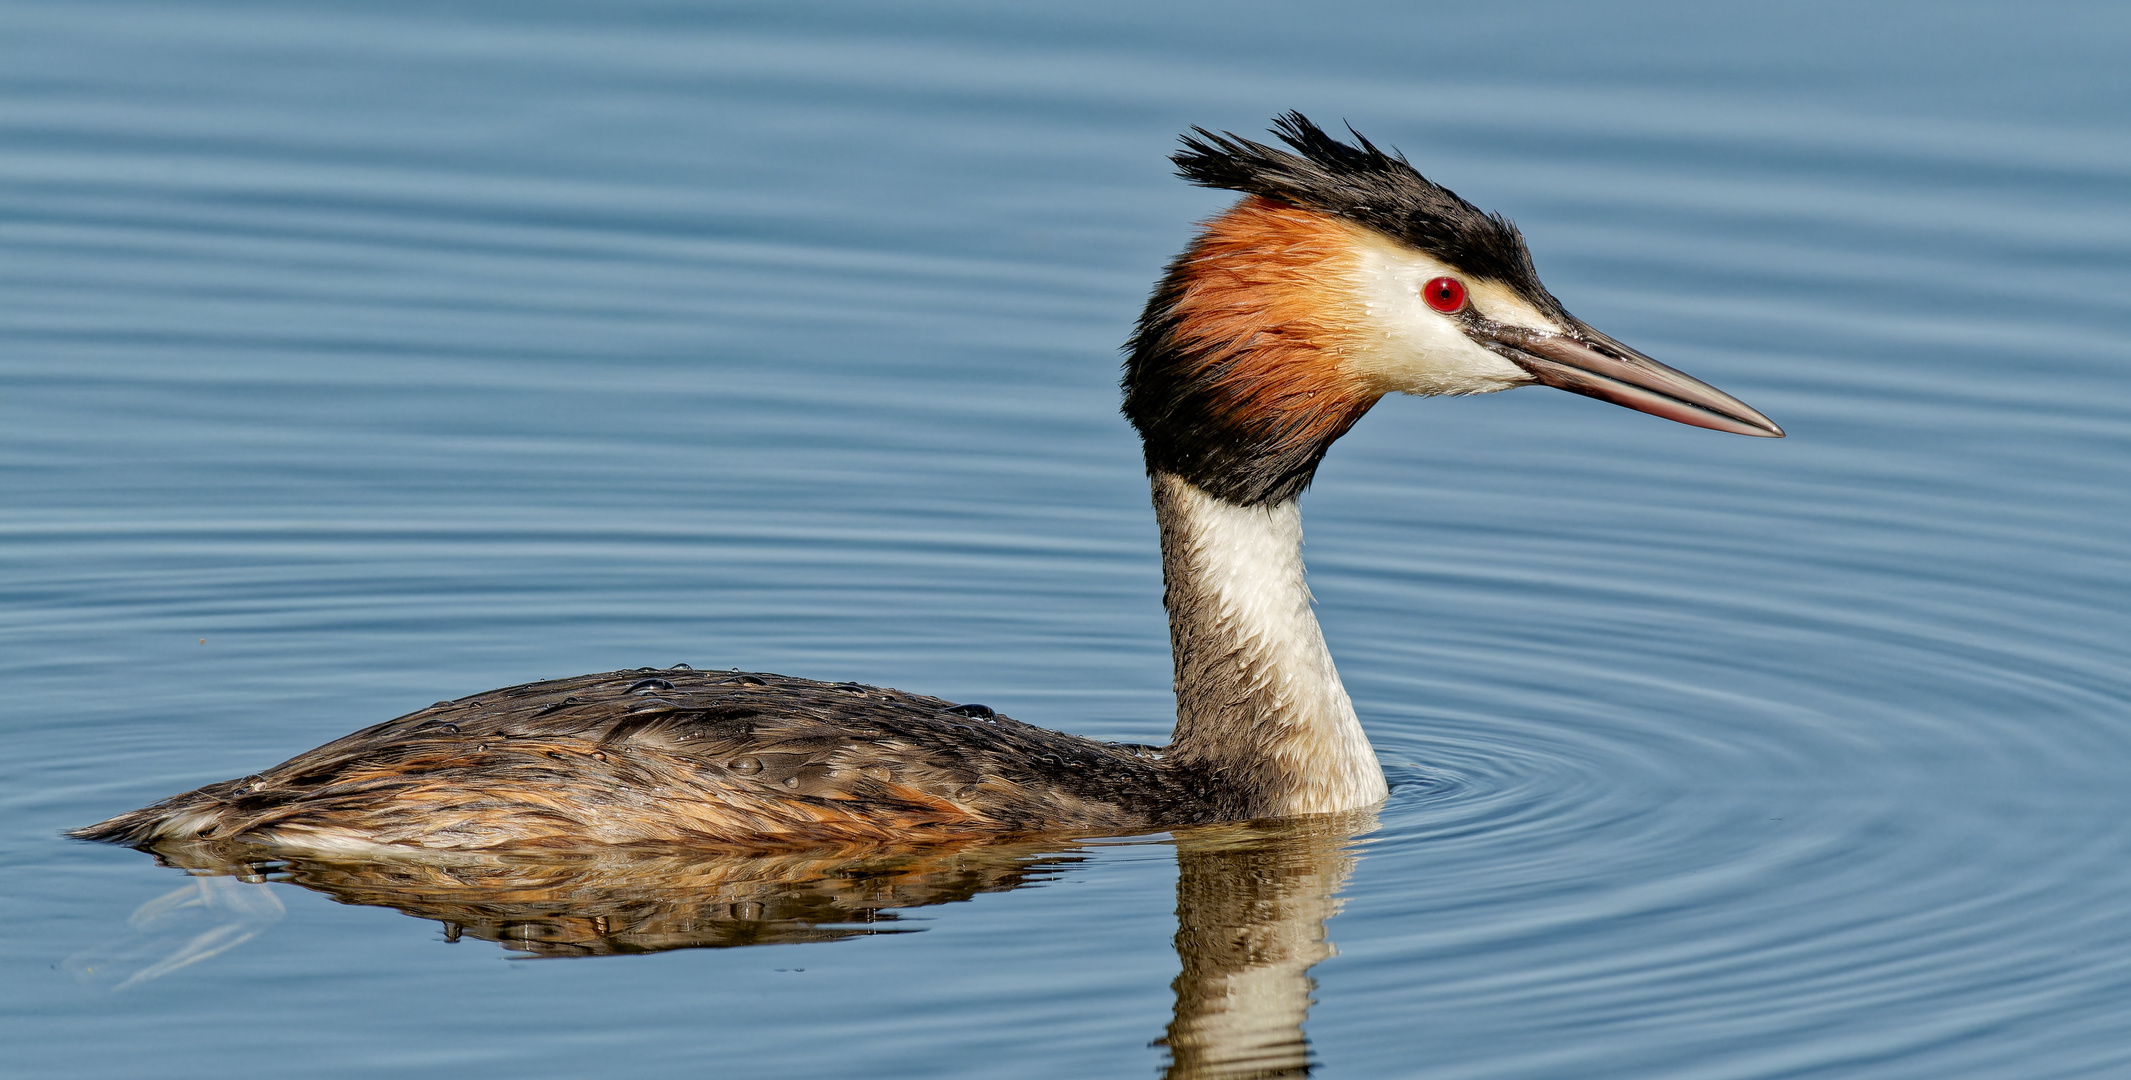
1367, 186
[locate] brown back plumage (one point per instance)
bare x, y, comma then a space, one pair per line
682, 756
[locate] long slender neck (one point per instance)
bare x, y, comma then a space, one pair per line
1258, 701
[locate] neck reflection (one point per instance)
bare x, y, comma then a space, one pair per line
1251, 909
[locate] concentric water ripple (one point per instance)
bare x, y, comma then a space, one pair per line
1869, 874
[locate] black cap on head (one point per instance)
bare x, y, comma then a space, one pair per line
1367, 186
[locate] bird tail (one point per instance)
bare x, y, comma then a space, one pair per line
192, 814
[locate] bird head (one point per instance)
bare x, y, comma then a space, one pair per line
1344, 275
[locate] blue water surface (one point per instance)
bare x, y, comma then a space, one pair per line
354, 356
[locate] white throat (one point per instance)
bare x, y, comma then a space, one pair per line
1258, 700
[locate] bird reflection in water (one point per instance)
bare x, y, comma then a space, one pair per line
1252, 901
1251, 905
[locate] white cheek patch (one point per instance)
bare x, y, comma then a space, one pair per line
1404, 346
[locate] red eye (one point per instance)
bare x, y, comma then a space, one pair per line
1445, 294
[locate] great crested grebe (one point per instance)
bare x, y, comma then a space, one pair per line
1341, 276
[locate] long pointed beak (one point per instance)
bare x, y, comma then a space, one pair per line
1584, 361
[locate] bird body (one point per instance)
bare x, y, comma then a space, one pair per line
682, 756
1341, 276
